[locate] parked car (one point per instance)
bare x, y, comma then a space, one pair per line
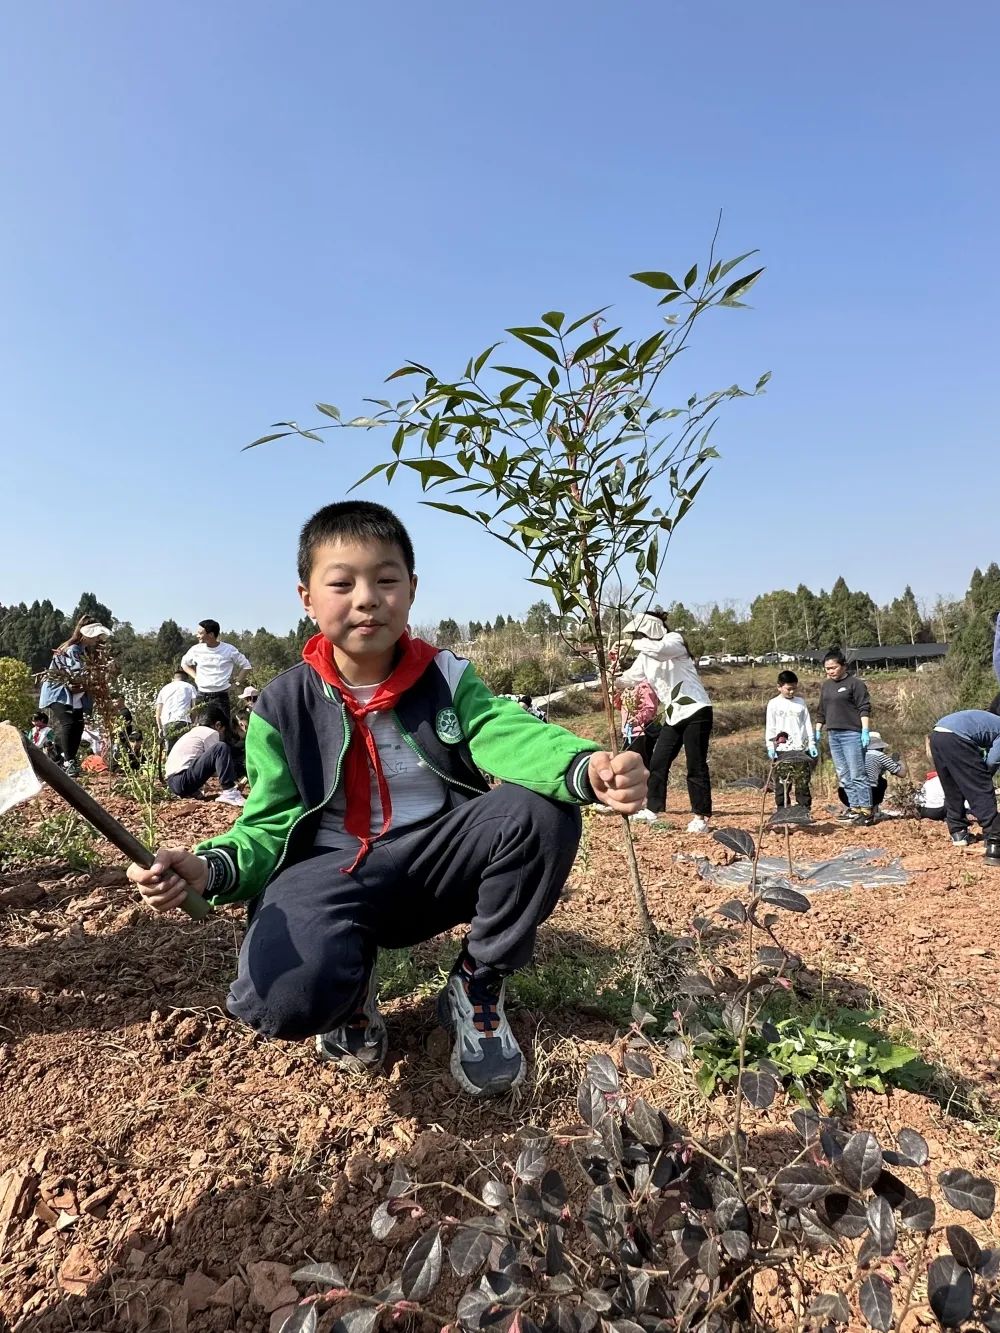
706, 661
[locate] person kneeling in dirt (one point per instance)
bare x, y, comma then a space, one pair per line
370, 824
201, 753
965, 748
878, 762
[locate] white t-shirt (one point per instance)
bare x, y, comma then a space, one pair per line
416, 791
792, 716
175, 700
214, 667
190, 747
665, 663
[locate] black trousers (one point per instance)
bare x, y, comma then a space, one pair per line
878, 793
67, 723
222, 698
218, 759
965, 777
693, 734
498, 862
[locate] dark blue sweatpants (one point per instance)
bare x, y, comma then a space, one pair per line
498, 862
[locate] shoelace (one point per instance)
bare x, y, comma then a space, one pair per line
485, 1000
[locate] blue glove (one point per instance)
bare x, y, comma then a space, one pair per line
813, 752
771, 752
865, 737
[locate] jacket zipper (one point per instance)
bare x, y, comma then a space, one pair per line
453, 782
326, 799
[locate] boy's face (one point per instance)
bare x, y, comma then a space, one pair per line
787, 690
360, 594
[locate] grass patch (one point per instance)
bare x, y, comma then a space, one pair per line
63, 839
594, 983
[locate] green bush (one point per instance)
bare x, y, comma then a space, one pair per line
530, 677
17, 701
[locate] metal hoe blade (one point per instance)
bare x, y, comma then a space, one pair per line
18, 781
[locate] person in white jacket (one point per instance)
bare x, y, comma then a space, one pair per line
662, 658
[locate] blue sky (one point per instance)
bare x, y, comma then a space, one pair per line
216, 214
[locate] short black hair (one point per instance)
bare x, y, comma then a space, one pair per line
354, 520
41, 717
210, 627
787, 678
211, 715
834, 655
180, 675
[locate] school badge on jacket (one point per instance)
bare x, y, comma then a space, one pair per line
448, 727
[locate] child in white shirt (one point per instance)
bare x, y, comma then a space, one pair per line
788, 731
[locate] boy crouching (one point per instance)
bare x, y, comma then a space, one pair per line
370, 825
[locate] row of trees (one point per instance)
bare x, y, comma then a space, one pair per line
775, 621
778, 621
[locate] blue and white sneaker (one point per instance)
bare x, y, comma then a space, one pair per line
486, 1060
362, 1041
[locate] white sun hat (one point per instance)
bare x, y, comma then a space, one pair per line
95, 632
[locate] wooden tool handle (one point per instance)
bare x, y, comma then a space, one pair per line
106, 824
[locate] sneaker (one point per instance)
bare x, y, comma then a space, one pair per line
231, 796
486, 1060
698, 825
645, 816
960, 839
72, 768
848, 817
865, 818
362, 1040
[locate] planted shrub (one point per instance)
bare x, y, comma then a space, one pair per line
652, 1228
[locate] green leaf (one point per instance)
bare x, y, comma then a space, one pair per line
449, 508
311, 435
741, 285
482, 358
554, 319
592, 345
379, 467
537, 344
661, 281
691, 277
519, 373
428, 468
365, 422
670, 296
731, 263
329, 410
266, 439
586, 319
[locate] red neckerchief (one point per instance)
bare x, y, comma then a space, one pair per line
362, 753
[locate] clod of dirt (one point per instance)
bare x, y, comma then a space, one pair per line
199, 1289
21, 895
78, 1271
231, 1295
271, 1285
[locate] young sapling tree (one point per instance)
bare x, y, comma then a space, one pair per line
574, 458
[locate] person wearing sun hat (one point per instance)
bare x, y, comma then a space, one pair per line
64, 689
878, 762
662, 659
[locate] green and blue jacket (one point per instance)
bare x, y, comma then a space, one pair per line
297, 740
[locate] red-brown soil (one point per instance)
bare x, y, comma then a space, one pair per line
165, 1169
